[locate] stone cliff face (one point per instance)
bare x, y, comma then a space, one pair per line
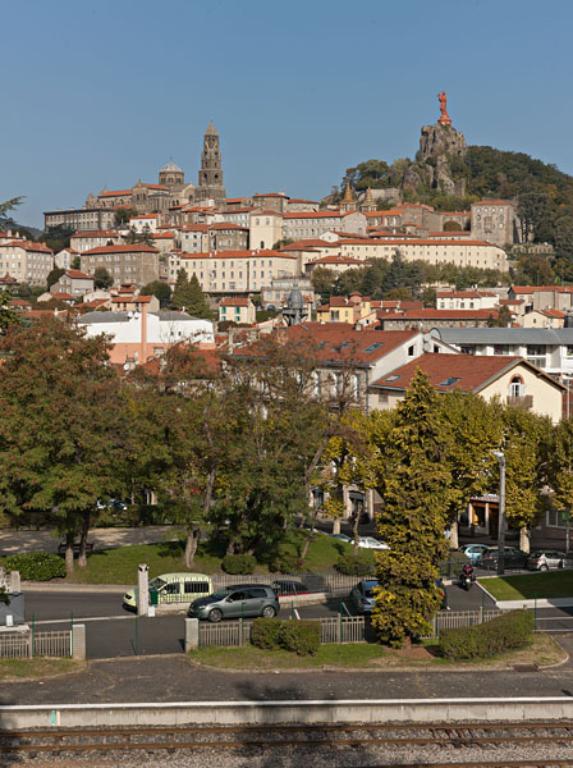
440, 146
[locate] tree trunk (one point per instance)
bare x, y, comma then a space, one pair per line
230, 547
191, 545
524, 543
336, 525
69, 557
83, 555
454, 535
355, 525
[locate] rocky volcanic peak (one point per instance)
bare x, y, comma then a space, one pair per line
439, 145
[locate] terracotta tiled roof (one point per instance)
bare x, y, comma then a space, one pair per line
469, 373
145, 216
130, 299
28, 245
338, 343
224, 225
556, 313
161, 235
115, 193
234, 301
442, 314
271, 194
493, 201
126, 248
528, 289
313, 215
77, 274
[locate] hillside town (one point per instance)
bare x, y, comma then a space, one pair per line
272, 433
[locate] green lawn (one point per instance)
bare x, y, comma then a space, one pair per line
119, 566
535, 585
249, 657
41, 667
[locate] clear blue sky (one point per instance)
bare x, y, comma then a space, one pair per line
102, 93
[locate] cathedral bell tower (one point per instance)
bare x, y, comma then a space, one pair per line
211, 173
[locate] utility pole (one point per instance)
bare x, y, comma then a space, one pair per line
501, 514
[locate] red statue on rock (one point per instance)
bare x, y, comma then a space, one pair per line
444, 118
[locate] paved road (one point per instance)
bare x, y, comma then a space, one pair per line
174, 678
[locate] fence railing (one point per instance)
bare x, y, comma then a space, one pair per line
445, 620
228, 633
22, 645
337, 629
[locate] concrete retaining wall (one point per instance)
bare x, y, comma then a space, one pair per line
256, 713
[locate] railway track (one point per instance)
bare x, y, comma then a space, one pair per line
387, 738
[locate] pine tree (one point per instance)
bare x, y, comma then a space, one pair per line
188, 295
414, 481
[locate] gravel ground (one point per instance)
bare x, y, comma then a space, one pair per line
361, 756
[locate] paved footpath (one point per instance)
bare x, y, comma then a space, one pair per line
173, 678
13, 542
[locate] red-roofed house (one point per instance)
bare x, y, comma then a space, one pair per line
129, 302
543, 296
237, 309
512, 379
543, 318
73, 282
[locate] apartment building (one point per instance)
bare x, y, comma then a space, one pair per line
26, 262
129, 263
85, 240
548, 349
80, 218
466, 300
234, 271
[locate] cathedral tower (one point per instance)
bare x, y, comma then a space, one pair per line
211, 173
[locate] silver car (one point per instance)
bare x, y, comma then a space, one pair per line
547, 559
362, 596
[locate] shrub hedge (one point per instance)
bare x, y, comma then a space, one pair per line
36, 566
265, 633
507, 632
360, 563
300, 637
239, 564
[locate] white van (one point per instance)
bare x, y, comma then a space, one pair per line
173, 588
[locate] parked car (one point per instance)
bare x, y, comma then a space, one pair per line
362, 596
546, 559
369, 542
113, 505
289, 587
473, 552
249, 601
513, 558
174, 588
342, 537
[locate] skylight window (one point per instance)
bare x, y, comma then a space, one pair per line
372, 347
449, 381
394, 377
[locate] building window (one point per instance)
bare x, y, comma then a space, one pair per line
411, 351
516, 387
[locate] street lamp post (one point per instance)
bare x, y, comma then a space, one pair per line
501, 514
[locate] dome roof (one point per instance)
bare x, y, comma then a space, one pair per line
171, 166
295, 299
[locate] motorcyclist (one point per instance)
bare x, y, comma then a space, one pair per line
467, 573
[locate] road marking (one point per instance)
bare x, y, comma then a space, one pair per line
297, 614
79, 619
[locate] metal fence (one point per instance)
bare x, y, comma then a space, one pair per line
445, 620
22, 645
337, 629
228, 633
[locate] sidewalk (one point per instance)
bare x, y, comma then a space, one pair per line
17, 541
173, 678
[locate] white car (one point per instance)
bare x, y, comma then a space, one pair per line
369, 542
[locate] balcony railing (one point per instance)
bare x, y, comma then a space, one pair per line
520, 401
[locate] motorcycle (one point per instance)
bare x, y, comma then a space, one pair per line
465, 581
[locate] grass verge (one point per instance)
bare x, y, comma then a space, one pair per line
531, 586
119, 565
543, 651
19, 669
